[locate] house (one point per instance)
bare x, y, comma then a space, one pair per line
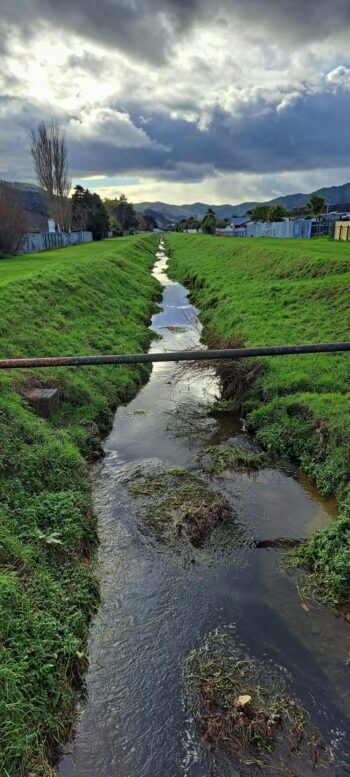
239, 222
337, 212
235, 228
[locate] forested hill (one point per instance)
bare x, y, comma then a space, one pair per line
332, 195
33, 201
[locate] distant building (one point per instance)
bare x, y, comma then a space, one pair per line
342, 230
337, 212
235, 228
239, 222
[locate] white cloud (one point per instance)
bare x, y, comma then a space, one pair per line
107, 126
288, 99
340, 76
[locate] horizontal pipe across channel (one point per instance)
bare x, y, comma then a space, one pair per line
173, 356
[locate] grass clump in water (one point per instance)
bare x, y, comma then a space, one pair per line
179, 507
217, 459
237, 712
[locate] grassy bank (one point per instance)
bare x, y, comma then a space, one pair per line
270, 291
89, 299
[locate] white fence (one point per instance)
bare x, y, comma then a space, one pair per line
42, 241
290, 228
296, 228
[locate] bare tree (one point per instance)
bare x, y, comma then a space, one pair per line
13, 221
49, 152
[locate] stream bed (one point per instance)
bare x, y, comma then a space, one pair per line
157, 607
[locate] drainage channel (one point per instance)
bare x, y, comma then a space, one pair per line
155, 609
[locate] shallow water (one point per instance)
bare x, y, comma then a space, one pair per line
155, 610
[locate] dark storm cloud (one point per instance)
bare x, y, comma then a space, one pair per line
143, 29
309, 134
87, 63
312, 133
147, 28
18, 117
298, 20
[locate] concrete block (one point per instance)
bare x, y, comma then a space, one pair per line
44, 401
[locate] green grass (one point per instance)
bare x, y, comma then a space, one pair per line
28, 265
269, 292
89, 299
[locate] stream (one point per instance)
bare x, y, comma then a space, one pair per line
155, 610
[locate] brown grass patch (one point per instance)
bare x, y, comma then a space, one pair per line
236, 376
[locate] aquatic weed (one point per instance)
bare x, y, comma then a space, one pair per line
218, 459
179, 507
240, 709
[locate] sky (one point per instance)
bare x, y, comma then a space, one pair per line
181, 100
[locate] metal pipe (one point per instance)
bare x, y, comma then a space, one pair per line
173, 356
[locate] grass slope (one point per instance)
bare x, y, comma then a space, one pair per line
270, 291
88, 299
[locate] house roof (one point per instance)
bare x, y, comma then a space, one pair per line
238, 220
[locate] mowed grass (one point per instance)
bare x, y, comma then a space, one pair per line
28, 265
89, 299
270, 292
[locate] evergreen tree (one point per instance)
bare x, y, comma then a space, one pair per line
89, 213
124, 213
277, 213
260, 213
209, 222
316, 205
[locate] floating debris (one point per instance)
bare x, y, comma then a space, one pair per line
218, 459
242, 709
179, 507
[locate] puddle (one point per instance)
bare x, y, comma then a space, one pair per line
154, 611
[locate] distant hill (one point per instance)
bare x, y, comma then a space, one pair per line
172, 213
160, 217
33, 201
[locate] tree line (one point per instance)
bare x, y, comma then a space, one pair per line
207, 224
101, 217
82, 211
277, 212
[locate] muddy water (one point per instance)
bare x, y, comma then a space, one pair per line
154, 610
